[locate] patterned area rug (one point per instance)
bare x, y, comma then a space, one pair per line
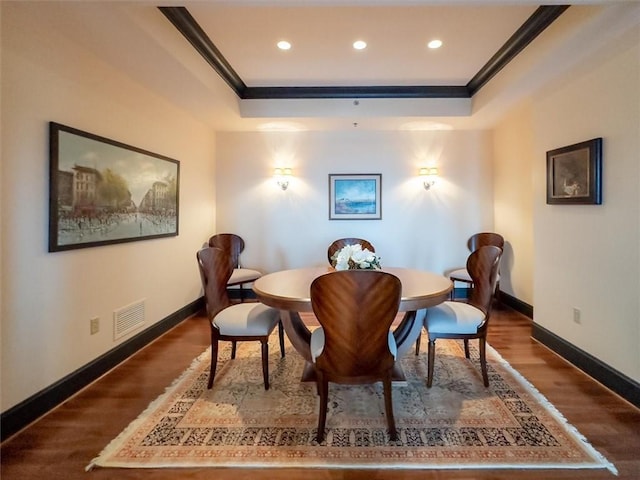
456, 424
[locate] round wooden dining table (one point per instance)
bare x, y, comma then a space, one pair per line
289, 291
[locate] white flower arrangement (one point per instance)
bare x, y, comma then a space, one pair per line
352, 257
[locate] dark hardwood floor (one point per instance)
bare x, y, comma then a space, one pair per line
61, 444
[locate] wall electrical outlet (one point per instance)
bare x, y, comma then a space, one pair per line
94, 325
576, 316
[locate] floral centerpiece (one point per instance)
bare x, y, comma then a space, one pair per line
352, 257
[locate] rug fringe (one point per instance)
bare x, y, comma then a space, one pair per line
116, 442
595, 454
359, 466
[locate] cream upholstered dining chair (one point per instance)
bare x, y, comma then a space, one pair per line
354, 344
234, 322
234, 245
467, 320
476, 241
462, 274
338, 244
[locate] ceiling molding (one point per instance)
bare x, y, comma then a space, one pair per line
254, 93
191, 30
534, 26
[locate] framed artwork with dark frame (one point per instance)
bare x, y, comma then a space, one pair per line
574, 174
355, 196
103, 192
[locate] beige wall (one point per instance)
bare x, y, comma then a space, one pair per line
48, 298
584, 257
581, 256
513, 200
587, 257
421, 229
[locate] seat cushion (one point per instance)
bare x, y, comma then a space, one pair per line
453, 317
247, 319
317, 344
243, 275
461, 275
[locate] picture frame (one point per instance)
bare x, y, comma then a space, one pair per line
574, 174
103, 192
356, 196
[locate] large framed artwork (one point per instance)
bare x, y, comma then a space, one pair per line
574, 174
102, 191
355, 196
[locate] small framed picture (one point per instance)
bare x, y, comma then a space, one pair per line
574, 174
355, 196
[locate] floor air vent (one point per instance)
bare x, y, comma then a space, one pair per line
127, 319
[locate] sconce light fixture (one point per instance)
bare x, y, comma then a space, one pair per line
282, 177
429, 176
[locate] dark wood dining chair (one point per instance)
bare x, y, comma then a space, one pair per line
467, 320
476, 241
238, 322
234, 245
462, 274
338, 244
354, 344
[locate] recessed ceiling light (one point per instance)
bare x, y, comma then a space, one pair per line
435, 44
359, 45
284, 45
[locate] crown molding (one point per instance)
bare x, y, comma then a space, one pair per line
530, 29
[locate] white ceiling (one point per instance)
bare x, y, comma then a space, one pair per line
135, 38
322, 37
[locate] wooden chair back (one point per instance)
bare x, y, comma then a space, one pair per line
342, 242
215, 270
482, 266
356, 309
231, 243
485, 238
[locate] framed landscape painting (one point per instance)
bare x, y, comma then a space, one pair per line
102, 191
355, 196
574, 174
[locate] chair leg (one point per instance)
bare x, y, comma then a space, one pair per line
241, 293
430, 360
265, 362
323, 386
483, 361
466, 348
281, 337
418, 344
233, 349
388, 405
214, 360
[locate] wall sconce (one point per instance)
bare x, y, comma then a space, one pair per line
429, 176
282, 177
